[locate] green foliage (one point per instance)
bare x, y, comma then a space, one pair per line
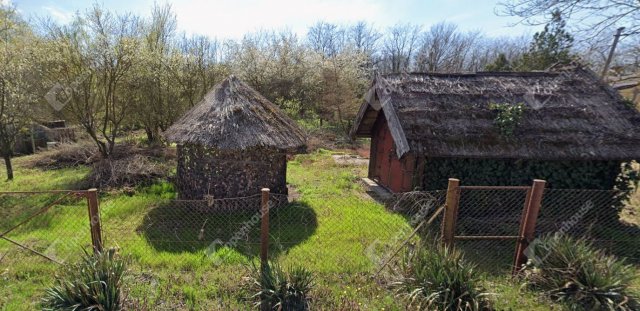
95, 283
603, 175
438, 278
163, 190
501, 63
550, 46
574, 272
629, 103
282, 290
508, 117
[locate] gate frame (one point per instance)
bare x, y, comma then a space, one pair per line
527, 228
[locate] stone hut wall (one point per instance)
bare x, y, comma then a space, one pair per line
228, 174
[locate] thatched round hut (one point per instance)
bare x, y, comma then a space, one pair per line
233, 143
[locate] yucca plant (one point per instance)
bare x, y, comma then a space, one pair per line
94, 283
280, 289
434, 277
572, 271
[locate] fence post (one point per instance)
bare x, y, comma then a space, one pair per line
94, 219
451, 211
528, 223
264, 238
264, 229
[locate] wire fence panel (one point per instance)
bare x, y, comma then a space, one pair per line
42, 228
361, 235
603, 217
488, 225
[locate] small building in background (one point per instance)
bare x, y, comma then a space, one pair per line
427, 127
43, 135
232, 144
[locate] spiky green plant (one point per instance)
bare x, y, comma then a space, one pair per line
94, 283
280, 289
574, 272
434, 277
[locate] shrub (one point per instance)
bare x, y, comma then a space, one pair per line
94, 283
132, 171
438, 278
574, 272
280, 289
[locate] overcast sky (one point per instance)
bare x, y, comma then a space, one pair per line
232, 18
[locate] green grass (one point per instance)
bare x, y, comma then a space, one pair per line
330, 231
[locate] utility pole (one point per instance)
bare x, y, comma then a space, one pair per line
616, 37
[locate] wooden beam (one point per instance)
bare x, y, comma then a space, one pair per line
451, 212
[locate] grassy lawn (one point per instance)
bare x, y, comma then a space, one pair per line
331, 229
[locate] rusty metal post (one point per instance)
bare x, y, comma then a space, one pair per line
528, 223
264, 229
451, 212
94, 219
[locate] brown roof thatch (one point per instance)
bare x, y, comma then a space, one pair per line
233, 116
570, 114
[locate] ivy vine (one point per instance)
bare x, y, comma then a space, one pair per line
508, 117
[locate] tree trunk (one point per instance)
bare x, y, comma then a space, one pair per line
7, 163
151, 138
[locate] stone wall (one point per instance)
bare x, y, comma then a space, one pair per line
228, 174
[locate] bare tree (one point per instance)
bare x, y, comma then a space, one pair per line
364, 38
92, 59
399, 47
445, 49
590, 16
326, 39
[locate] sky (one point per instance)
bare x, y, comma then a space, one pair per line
231, 19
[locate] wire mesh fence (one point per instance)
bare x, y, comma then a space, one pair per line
488, 225
330, 235
345, 235
603, 217
43, 227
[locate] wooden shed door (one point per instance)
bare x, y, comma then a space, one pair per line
390, 171
384, 154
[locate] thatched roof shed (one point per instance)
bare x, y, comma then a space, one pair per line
567, 114
233, 143
233, 116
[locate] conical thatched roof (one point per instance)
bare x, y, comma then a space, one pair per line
569, 114
233, 116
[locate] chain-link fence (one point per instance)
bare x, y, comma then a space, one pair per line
339, 238
39, 228
332, 236
488, 225
346, 235
603, 217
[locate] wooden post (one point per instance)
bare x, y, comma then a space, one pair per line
264, 229
451, 211
528, 223
264, 240
94, 219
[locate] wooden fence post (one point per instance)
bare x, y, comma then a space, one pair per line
528, 223
94, 219
451, 211
264, 229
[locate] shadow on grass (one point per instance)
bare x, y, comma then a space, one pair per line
192, 226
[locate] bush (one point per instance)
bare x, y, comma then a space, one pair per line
438, 278
280, 289
95, 283
136, 170
573, 272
